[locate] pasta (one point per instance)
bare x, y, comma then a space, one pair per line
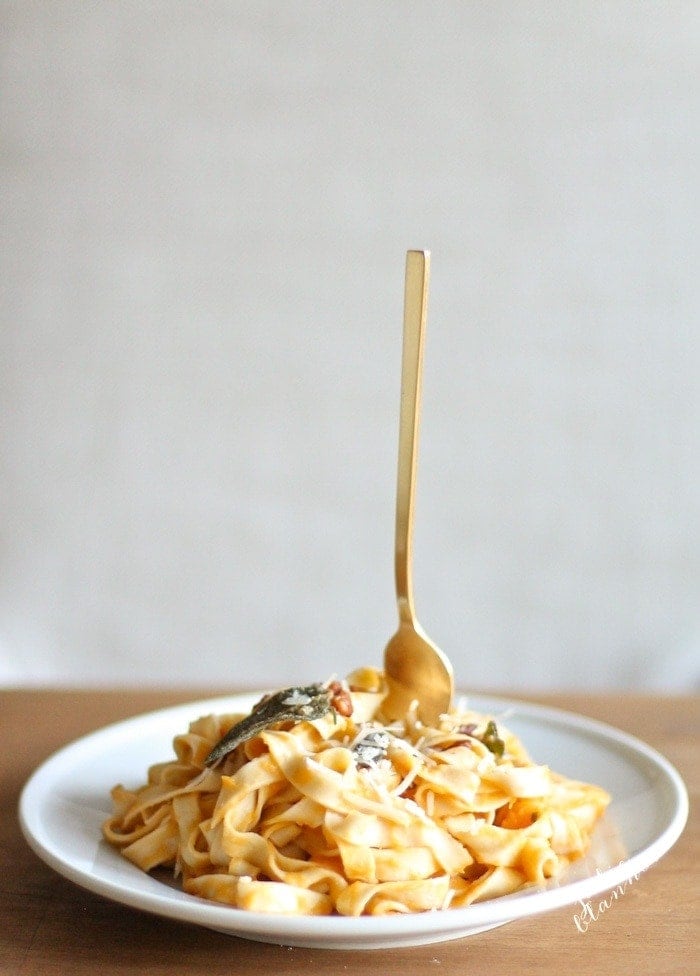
313, 805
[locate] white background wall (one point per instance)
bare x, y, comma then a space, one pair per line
205, 210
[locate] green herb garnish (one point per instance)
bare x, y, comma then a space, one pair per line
492, 740
289, 705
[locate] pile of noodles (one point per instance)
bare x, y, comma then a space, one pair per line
302, 819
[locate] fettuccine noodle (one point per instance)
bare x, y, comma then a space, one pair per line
346, 815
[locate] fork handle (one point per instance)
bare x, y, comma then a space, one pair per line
415, 310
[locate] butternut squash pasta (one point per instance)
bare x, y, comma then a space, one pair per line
313, 804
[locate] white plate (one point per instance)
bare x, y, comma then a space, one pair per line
65, 801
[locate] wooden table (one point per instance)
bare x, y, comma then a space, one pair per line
49, 926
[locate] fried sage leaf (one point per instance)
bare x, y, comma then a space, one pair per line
492, 740
289, 705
